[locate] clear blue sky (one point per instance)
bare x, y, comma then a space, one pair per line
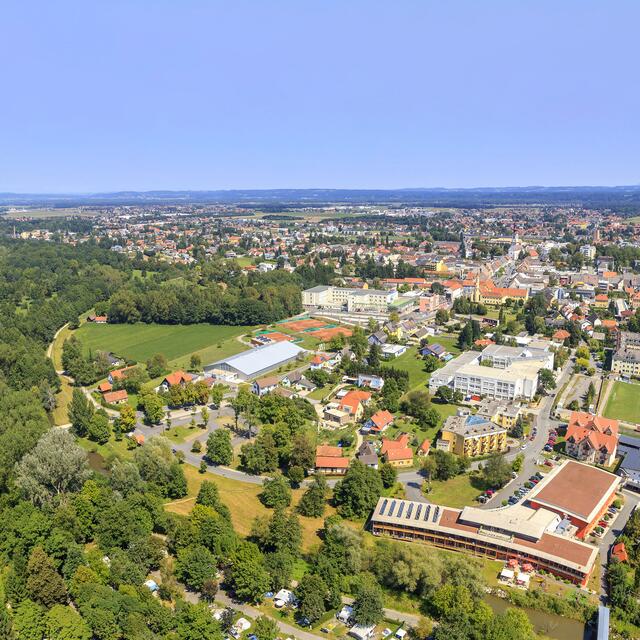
101, 95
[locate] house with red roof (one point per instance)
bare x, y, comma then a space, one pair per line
177, 377
397, 452
424, 448
378, 422
330, 461
354, 402
561, 335
116, 397
592, 438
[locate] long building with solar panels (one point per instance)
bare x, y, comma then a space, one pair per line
528, 535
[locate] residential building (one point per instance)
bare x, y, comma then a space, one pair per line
397, 452
592, 438
263, 386
626, 358
378, 422
472, 435
115, 397
330, 461
503, 414
176, 378
367, 455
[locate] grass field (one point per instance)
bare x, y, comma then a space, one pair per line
177, 342
242, 499
624, 402
457, 492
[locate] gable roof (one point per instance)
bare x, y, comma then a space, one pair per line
381, 419
327, 451
177, 377
351, 401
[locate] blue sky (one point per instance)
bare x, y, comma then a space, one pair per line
106, 95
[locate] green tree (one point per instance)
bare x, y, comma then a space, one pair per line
80, 412
216, 394
496, 472
546, 379
311, 593
389, 474
195, 565
513, 624
153, 407
313, 501
56, 466
219, 447
373, 359
276, 492
358, 342
204, 416
44, 584
28, 621
248, 575
296, 475
157, 365
127, 418
357, 494
368, 603
265, 628
99, 430
63, 623
195, 622
195, 362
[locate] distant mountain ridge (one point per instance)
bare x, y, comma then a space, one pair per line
619, 196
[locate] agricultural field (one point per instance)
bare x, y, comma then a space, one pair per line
177, 342
49, 213
624, 402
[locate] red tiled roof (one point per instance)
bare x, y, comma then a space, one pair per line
381, 419
327, 451
399, 453
330, 462
115, 396
177, 377
401, 442
352, 400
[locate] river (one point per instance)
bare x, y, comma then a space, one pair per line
546, 624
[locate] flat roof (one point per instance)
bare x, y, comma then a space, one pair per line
254, 360
576, 489
574, 554
516, 519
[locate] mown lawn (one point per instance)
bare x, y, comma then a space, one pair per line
624, 402
457, 492
177, 342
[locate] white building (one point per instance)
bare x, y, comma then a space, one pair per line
504, 373
352, 300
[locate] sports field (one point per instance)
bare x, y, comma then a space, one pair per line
624, 402
177, 342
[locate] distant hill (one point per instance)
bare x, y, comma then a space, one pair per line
617, 197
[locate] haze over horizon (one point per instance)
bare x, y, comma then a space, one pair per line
139, 96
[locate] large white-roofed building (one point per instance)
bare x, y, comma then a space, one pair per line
256, 362
504, 373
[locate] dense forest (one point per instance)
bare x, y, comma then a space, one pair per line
218, 293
